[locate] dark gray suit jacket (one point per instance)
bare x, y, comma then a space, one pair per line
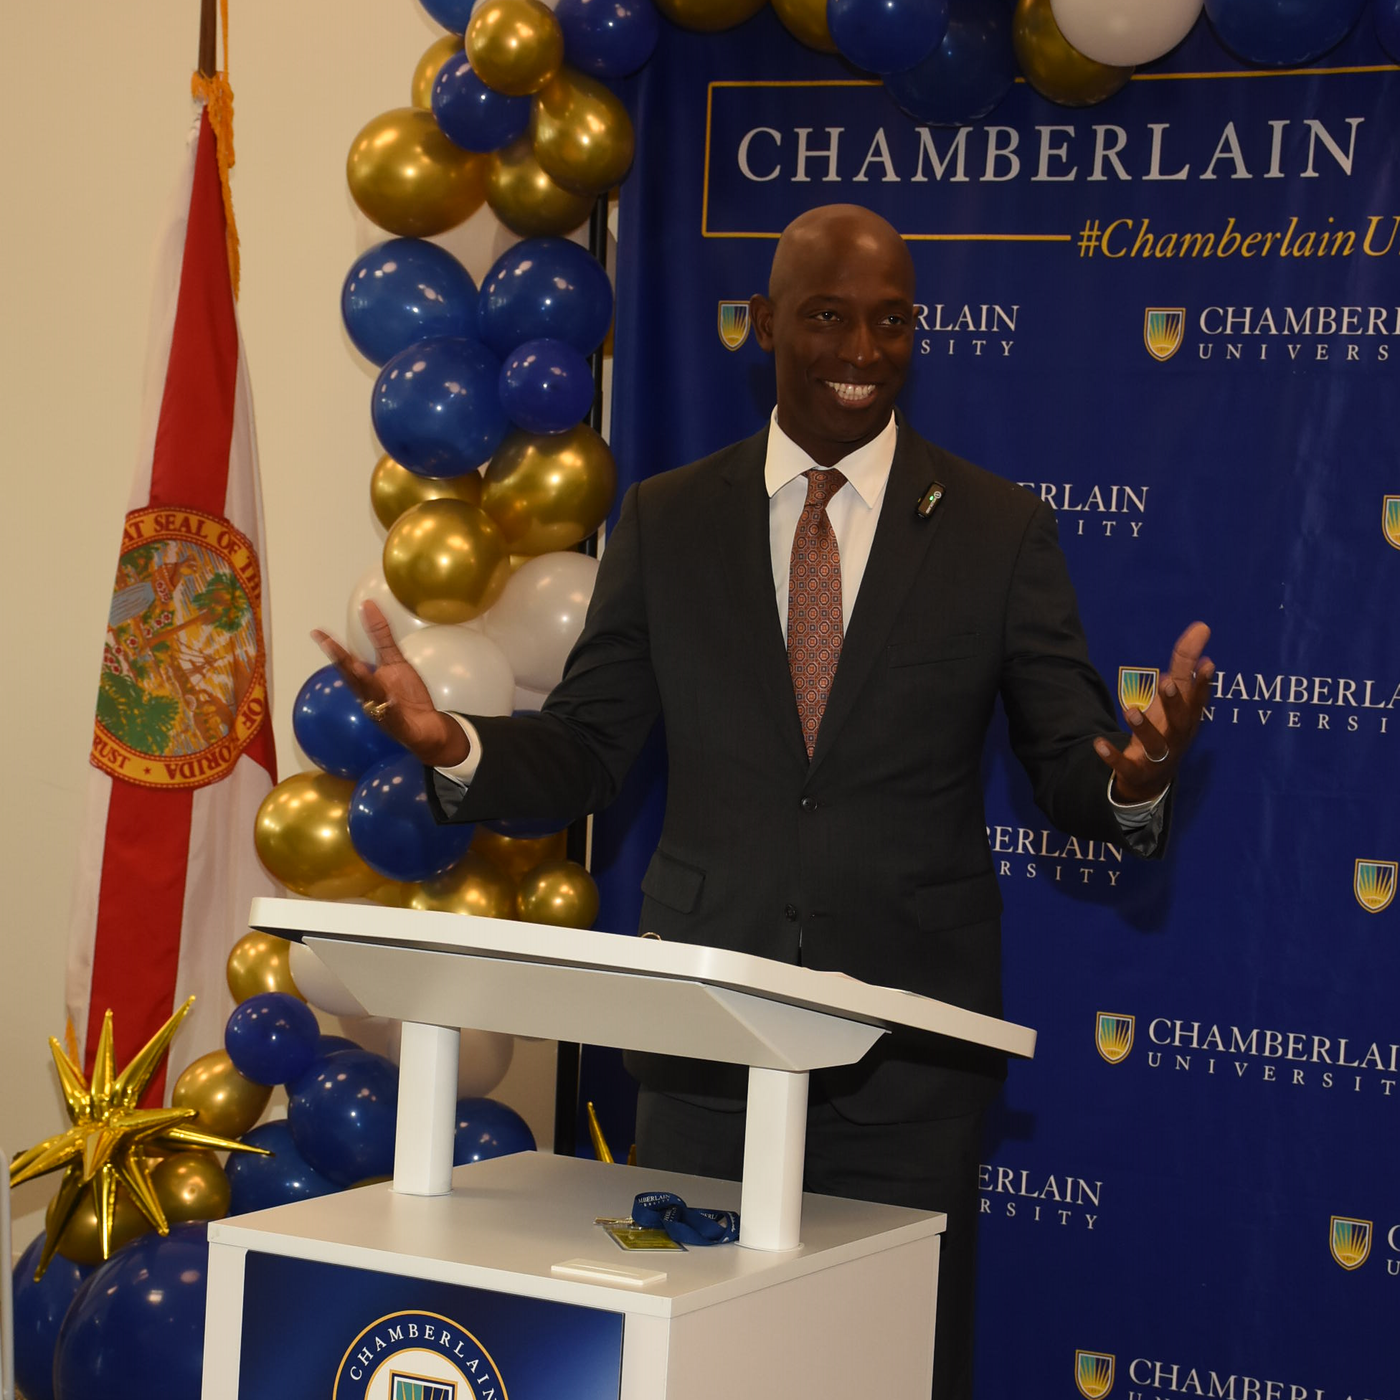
872, 858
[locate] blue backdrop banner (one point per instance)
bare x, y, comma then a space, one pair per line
1175, 317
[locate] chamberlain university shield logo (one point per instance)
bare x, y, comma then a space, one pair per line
733, 323
1162, 329
1093, 1374
1390, 521
1137, 686
1374, 884
1113, 1036
1350, 1241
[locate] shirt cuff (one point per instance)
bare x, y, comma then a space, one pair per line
1129, 814
462, 773
1140, 822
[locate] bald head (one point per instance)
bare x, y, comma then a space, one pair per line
838, 320
836, 232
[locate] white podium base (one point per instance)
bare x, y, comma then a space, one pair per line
854, 1299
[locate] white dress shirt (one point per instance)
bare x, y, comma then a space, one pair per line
854, 512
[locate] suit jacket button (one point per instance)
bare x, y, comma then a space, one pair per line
789, 913
809, 804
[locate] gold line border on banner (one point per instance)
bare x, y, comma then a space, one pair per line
705, 231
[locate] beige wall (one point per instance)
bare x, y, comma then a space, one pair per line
94, 109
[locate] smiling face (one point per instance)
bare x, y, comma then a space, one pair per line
839, 321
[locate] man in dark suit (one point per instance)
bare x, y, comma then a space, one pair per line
825, 614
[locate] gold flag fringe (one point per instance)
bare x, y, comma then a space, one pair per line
214, 91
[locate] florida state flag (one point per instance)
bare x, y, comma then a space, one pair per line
182, 747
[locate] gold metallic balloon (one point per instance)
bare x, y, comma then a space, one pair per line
394, 489
806, 20
514, 46
525, 199
550, 491
583, 136
81, 1241
559, 892
302, 835
192, 1186
710, 16
1055, 69
518, 855
425, 74
392, 894
446, 560
258, 963
224, 1102
472, 886
408, 178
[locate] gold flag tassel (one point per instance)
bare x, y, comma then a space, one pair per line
214, 91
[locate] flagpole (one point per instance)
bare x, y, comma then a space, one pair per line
208, 37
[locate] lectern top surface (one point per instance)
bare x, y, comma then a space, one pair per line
510, 1220
830, 992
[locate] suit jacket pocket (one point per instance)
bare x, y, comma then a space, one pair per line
957, 902
673, 883
920, 652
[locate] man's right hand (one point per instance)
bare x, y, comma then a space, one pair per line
392, 693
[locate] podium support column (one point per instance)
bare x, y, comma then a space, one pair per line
427, 1109
775, 1136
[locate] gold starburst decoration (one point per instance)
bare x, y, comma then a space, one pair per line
107, 1141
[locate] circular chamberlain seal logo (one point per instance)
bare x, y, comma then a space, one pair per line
184, 679
417, 1356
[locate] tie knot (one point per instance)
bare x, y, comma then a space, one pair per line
822, 485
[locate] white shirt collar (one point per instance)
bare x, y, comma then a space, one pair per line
867, 468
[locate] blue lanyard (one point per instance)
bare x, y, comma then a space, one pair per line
664, 1210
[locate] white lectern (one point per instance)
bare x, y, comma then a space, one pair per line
849, 1269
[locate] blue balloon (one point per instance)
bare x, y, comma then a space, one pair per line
326, 1046
39, 1312
453, 15
393, 828
886, 36
258, 1183
1282, 33
546, 386
436, 409
487, 1129
404, 291
343, 1116
608, 38
472, 115
969, 72
545, 288
271, 1038
136, 1326
333, 729
1388, 26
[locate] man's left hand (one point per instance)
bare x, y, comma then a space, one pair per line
1161, 734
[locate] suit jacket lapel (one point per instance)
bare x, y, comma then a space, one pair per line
741, 527
902, 540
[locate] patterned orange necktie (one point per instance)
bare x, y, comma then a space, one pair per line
814, 604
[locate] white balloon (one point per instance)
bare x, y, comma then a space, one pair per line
482, 1063
463, 669
378, 1034
320, 986
372, 588
540, 613
1125, 33
483, 1058
527, 699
